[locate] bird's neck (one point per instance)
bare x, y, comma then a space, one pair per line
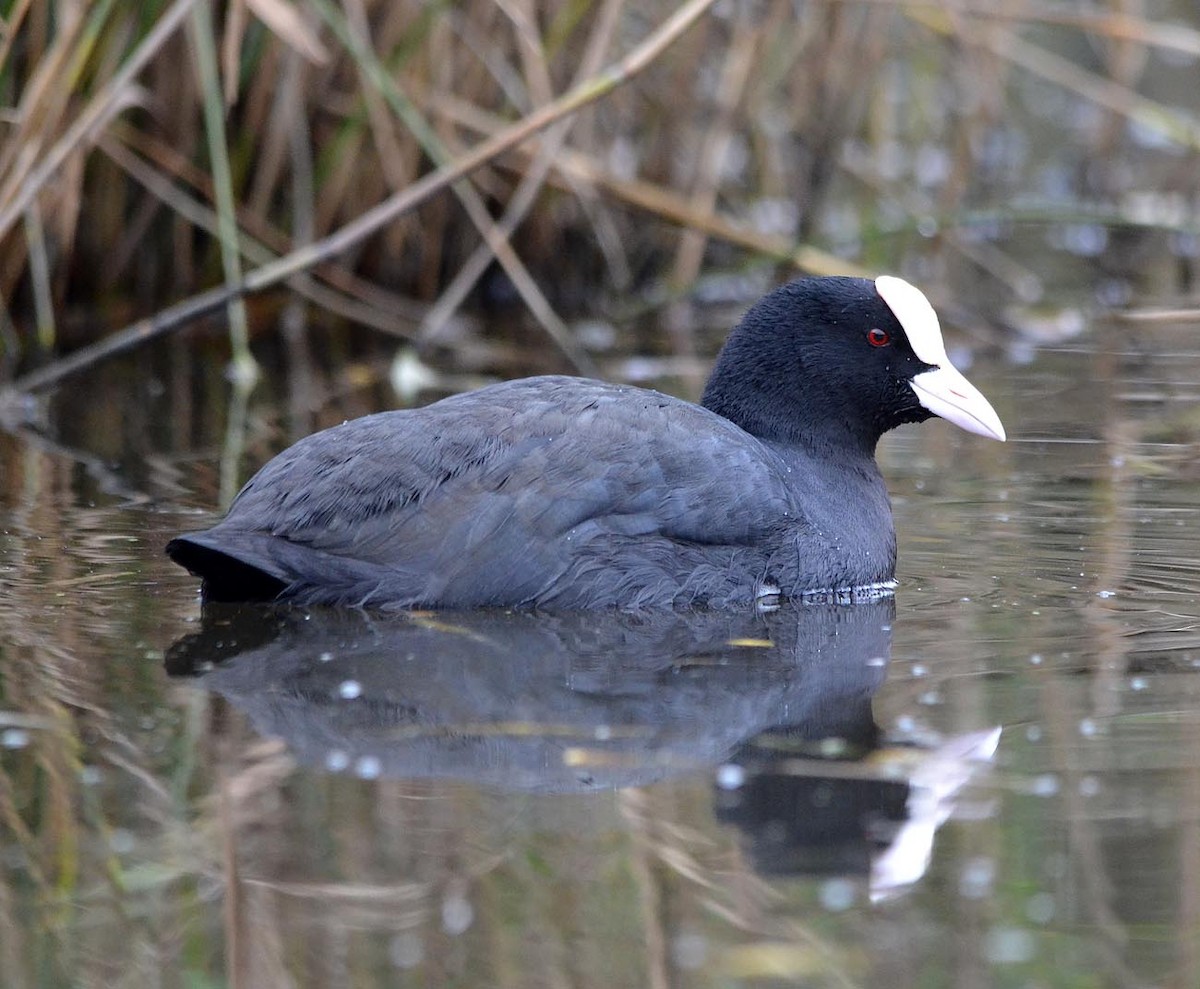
814, 422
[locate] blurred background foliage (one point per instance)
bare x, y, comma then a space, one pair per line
826, 135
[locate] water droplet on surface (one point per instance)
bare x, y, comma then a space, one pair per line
931, 165
1087, 728
368, 767
730, 776
977, 877
1009, 945
837, 894
595, 334
14, 738
457, 914
832, 748
406, 950
349, 689
336, 761
1087, 240
1045, 785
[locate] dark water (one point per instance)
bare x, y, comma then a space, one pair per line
993, 779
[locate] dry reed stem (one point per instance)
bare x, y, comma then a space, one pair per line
706, 182
662, 202
39, 274
1061, 714
353, 33
261, 243
231, 48
231, 912
1021, 279
281, 116
43, 101
375, 218
1117, 26
1188, 971
243, 367
289, 25
1173, 124
534, 178
735, 74
99, 110
15, 19
987, 74
632, 805
1149, 315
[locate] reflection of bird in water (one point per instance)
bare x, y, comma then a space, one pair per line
539, 701
578, 702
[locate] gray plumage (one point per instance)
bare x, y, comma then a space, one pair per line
551, 491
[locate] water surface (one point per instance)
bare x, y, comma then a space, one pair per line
814, 796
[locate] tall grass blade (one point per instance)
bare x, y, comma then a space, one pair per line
243, 368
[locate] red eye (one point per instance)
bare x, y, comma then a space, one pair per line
878, 338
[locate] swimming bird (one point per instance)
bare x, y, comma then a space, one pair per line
570, 493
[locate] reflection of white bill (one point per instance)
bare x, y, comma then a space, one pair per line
934, 786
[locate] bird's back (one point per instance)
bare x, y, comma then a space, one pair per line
551, 491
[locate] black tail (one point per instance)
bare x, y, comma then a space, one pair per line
224, 577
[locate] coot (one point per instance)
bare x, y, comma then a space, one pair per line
570, 493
